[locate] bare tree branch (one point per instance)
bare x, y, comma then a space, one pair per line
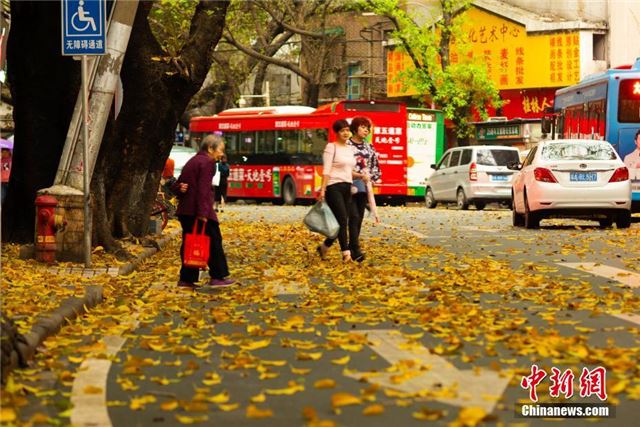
279, 62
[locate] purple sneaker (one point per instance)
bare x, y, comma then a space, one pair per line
220, 283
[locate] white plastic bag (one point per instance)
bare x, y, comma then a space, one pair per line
320, 219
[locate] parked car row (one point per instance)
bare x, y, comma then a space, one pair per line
559, 178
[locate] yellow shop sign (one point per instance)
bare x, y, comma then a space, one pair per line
514, 59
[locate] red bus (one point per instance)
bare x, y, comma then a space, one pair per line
275, 153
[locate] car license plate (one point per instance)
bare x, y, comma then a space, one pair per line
583, 176
499, 177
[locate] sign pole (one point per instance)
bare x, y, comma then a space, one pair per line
85, 163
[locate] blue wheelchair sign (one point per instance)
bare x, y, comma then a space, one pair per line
84, 27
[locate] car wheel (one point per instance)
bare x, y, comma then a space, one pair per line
623, 220
429, 200
517, 219
480, 205
289, 192
606, 222
461, 200
531, 219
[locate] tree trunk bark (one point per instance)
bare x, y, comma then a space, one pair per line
312, 94
156, 94
261, 75
44, 86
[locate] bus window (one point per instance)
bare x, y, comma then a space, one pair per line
288, 141
629, 101
230, 142
266, 141
314, 141
247, 143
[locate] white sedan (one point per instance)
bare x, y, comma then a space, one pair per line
572, 179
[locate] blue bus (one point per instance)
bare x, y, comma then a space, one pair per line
604, 106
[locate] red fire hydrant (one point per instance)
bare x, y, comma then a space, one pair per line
47, 223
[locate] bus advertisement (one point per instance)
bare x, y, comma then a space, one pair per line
605, 106
275, 153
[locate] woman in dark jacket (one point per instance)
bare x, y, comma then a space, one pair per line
195, 203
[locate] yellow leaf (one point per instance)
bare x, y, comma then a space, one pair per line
226, 407
183, 419
223, 340
74, 359
219, 398
301, 355
255, 345
273, 362
300, 371
40, 418
161, 330
344, 399
618, 387
342, 360
426, 414
326, 383
292, 389
259, 398
212, 378
7, 415
376, 409
309, 414
351, 347
471, 416
295, 321
92, 390
169, 405
256, 413
140, 402
269, 375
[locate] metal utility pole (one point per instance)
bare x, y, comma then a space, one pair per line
85, 162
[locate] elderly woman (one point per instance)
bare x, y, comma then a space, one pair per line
195, 203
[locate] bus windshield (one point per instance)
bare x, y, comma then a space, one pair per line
629, 101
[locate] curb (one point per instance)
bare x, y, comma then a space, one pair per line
48, 324
162, 243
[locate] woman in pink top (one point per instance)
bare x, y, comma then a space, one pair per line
338, 163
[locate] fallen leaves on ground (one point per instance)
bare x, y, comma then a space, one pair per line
212, 339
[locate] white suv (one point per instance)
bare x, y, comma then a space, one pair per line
477, 174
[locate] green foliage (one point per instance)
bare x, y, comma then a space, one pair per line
170, 21
423, 33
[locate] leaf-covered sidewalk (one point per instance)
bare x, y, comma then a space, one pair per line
285, 345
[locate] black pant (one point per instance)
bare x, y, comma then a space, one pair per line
338, 197
217, 260
356, 215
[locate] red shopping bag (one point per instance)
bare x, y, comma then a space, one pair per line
196, 248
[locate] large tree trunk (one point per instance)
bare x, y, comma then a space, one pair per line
261, 75
311, 94
156, 94
44, 86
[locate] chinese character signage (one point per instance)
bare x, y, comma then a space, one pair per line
498, 132
84, 27
514, 59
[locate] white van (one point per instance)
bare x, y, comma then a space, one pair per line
472, 175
